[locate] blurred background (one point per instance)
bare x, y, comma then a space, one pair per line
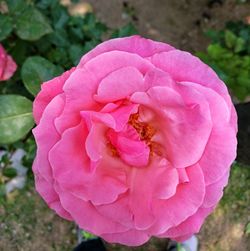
55, 34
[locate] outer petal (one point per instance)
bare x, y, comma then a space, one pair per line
86, 216
214, 192
49, 90
48, 193
130, 238
182, 66
190, 226
188, 197
219, 154
134, 44
46, 136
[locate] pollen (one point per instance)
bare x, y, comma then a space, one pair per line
112, 150
145, 131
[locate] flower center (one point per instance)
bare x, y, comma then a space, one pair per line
145, 131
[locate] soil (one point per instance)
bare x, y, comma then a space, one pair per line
181, 23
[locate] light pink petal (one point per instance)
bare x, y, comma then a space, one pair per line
166, 183
114, 60
147, 184
79, 90
188, 197
183, 66
220, 112
190, 226
184, 127
129, 238
233, 119
86, 216
119, 85
134, 44
158, 77
47, 191
74, 172
118, 211
214, 192
49, 90
46, 137
219, 153
183, 177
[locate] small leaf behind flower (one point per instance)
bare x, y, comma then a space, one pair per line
37, 70
16, 118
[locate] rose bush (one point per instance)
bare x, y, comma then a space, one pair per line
136, 141
7, 65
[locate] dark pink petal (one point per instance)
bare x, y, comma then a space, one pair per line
132, 151
134, 44
7, 65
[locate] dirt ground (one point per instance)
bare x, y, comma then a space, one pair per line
179, 22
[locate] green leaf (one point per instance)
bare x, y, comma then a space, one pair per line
10, 172
239, 45
16, 7
5, 26
15, 118
230, 39
247, 229
37, 70
127, 30
75, 53
32, 25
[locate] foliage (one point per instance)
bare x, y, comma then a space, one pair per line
229, 55
44, 40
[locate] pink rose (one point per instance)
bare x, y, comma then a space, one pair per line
136, 141
7, 65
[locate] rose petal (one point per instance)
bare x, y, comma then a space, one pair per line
134, 44
119, 85
75, 175
189, 197
219, 153
185, 127
49, 90
190, 226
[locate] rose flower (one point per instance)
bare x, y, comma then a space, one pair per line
136, 141
7, 65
